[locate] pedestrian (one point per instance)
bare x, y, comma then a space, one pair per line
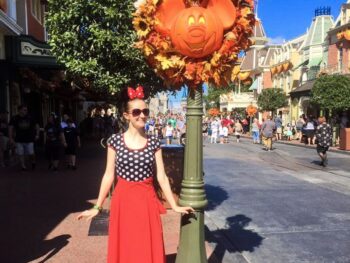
72, 137
135, 229
225, 133
169, 133
309, 130
214, 131
299, 126
221, 133
238, 130
267, 130
4, 140
54, 141
256, 131
279, 130
23, 132
324, 138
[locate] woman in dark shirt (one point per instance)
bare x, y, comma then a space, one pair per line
53, 140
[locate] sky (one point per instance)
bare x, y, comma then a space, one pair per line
285, 20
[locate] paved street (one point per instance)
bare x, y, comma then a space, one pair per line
278, 206
263, 207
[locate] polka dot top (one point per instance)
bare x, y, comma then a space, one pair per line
134, 164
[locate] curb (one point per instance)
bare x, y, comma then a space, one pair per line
305, 146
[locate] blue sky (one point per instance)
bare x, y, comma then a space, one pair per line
285, 20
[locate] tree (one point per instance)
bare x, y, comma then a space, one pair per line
214, 94
272, 99
332, 92
95, 39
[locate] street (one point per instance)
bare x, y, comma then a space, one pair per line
278, 206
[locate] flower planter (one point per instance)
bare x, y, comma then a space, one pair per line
344, 139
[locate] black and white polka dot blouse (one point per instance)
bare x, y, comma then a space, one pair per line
134, 164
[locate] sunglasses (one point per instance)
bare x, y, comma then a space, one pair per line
137, 112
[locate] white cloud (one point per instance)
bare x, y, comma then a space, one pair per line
277, 40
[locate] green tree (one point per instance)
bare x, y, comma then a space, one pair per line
332, 92
272, 99
214, 93
94, 40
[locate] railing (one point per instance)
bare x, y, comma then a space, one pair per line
334, 69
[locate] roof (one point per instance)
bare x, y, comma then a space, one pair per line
306, 87
318, 30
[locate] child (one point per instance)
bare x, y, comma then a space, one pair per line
73, 141
135, 229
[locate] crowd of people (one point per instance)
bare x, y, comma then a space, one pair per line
21, 134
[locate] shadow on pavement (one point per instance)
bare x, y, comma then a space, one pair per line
233, 238
216, 195
33, 203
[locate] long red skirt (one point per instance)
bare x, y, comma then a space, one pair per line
135, 227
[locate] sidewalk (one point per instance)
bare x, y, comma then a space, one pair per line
299, 144
39, 208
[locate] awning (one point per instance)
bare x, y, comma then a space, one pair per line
305, 62
314, 62
305, 88
254, 86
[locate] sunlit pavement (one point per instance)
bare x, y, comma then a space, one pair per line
278, 206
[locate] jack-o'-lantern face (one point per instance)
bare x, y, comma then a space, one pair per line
196, 33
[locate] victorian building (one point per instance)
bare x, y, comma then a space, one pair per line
313, 55
29, 73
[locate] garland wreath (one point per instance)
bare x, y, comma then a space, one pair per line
176, 69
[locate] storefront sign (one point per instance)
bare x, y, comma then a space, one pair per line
28, 49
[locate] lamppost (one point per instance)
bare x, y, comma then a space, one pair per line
192, 244
174, 38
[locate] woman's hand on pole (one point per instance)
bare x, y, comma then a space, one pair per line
88, 214
183, 209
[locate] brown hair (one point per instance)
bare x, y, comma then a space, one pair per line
321, 119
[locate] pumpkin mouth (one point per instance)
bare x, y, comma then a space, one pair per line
198, 47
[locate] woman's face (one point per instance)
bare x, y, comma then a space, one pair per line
137, 121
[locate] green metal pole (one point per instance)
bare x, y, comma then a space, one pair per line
192, 242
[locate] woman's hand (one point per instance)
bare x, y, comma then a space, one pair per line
88, 214
183, 209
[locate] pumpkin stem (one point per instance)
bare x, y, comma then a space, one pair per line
202, 3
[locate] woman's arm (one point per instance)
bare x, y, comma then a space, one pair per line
165, 185
107, 181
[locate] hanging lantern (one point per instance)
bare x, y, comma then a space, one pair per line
279, 68
214, 112
273, 70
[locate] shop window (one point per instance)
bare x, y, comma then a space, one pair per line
37, 10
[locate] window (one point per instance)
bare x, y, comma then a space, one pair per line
37, 10
340, 59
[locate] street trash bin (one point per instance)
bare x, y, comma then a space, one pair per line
173, 157
344, 143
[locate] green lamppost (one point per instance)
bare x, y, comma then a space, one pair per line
192, 244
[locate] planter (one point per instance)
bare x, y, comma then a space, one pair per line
173, 157
344, 139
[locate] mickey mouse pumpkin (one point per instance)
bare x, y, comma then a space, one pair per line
196, 31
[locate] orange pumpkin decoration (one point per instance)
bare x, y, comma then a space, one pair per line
286, 66
340, 35
251, 110
279, 68
347, 34
243, 75
213, 112
196, 31
273, 70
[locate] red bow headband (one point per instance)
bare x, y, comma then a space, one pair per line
136, 93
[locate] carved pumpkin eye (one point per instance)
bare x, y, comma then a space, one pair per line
201, 20
191, 20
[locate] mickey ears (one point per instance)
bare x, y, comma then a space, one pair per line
224, 9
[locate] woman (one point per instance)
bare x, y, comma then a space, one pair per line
324, 139
256, 131
169, 133
238, 130
309, 130
299, 126
135, 230
53, 140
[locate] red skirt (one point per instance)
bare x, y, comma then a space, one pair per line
135, 227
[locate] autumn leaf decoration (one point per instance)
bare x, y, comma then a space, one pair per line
177, 69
